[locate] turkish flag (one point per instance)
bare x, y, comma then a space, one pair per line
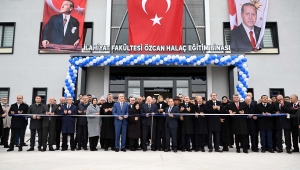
53, 7
155, 22
232, 14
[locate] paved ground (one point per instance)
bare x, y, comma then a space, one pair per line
86, 160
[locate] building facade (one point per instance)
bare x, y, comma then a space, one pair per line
26, 71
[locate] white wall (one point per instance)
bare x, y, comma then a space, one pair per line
94, 81
26, 69
220, 83
268, 71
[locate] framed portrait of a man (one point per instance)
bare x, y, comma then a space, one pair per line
62, 27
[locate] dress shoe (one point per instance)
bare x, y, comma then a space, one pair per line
160, 149
271, 151
175, 150
197, 150
295, 150
116, 150
230, 146
106, 149
124, 150
167, 150
245, 150
202, 150
30, 149
132, 149
44, 149
10, 149
210, 150
78, 149
144, 150
85, 148
20, 149
238, 151
225, 149
51, 149
57, 148
279, 150
63, 149
218, 150
6, 146
182, 150
254, 150
153, 149
263, 151
95, 149
288, 151
24, 144
189, 150
72, 149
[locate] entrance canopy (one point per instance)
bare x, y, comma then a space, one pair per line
191, 60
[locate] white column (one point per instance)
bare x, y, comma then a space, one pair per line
78, 85
208, 81
108, 22
106, 80
207, 22
235, 79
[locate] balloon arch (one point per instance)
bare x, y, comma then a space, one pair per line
156, 60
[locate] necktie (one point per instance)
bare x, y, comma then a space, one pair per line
50, 110
149, 106
199, 106
121, 105
186, 105
170, 108
65, 21
252, 40
280, 106
214, 103
68, 106
237, 106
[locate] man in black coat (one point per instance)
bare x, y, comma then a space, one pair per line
265, 123
283, 123
251, 125
294, 121
81, 124
239, 123
200, 125
59, 123
171, 125
18, 122
187, 122
149, 121
36, 122
160, 129
48, 125
214, 122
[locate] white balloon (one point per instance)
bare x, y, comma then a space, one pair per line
244, 89
244, 76
165, 59
161, 62
157, 64
246, 69
91, 63
241, 85
66, 91
212, 62
146, 62
73, 88
236, 60
68, 77
150, 60
188, 60
222, 59
135, 61
80, 61
198, 62
77, 62
121, 63
132, 63
69, 95
75, 75
70, 81
105, 62
242, 98
232, 62
241, 73
72, 67
72, 84
75, 71
216, 61
244, 65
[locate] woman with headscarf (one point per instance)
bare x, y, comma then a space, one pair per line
94, 124
225, 126
134, 125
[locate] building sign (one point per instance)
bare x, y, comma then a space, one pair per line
247, 23
63, 26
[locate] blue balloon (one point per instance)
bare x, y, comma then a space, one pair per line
207, 61
66, 81
244, 59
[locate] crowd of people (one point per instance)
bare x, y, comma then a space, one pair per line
160, 124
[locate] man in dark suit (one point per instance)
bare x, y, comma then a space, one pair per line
59, 123
160, 128
81, 124
171, 125
214, 122
251, 125
187, 123
265, 123
62, 28
200, 125
18, 123
244, 38
283, 123
77, 102
294, 121
149, 121
36, 123
68, 124
239, 123
49, 125
120, 111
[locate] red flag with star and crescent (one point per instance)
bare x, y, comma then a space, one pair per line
155, 22
232, 14
53, 8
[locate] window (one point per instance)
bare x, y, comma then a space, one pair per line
42, 92
7, 32
4, 92
276, 91
270, 39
